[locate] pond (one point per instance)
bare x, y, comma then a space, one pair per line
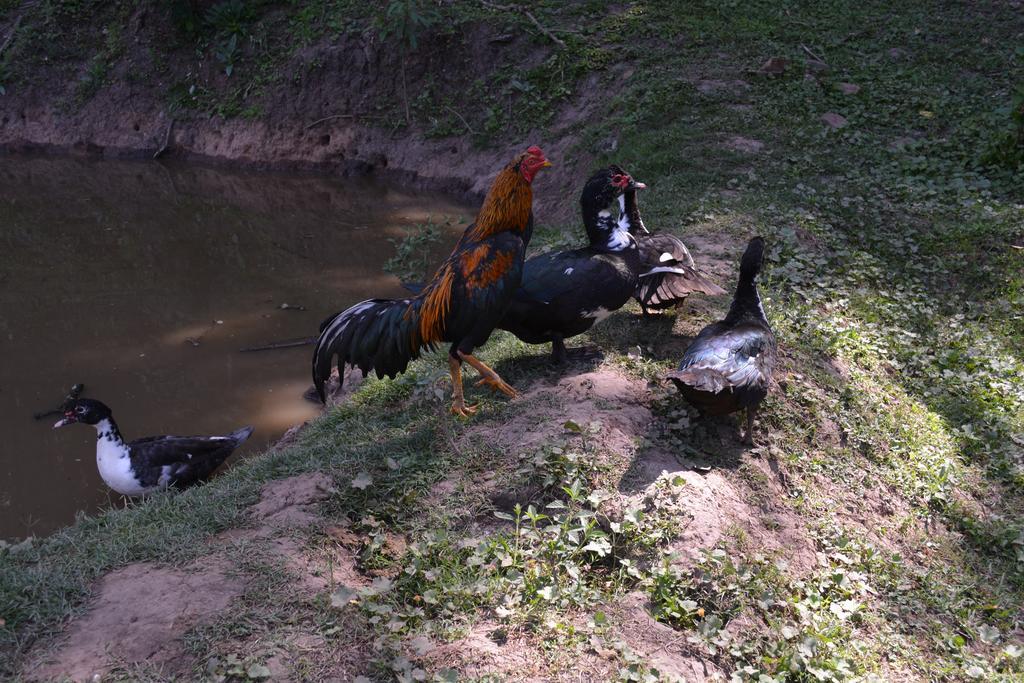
144, 280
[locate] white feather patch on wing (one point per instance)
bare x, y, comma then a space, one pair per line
663, 269
598, 314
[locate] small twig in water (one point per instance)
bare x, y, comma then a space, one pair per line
167, 140
529, 15
286, 344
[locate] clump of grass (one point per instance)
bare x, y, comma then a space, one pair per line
413, 254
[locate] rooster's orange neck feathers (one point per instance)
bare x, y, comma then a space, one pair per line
507, 205
506, 209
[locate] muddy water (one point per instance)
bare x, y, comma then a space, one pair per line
143, 281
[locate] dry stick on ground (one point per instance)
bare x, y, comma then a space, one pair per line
464, 122
340, 116
167, 141
515, 8
814, 56
10, 36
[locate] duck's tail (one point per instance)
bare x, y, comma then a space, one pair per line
665, 286
702, 379
668, 273
240, 435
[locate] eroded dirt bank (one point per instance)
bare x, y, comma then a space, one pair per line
336, 105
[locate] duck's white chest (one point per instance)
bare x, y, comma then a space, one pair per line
116, 469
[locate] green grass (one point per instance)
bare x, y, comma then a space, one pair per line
892, 286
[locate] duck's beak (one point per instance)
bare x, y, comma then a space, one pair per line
636, 185
68, 419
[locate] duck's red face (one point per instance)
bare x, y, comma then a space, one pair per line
624, 181
533, 160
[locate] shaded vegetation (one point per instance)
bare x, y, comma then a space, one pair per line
893, 283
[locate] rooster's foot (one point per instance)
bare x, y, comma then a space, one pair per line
496, 383
460, 408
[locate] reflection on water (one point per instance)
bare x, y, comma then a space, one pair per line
143, 280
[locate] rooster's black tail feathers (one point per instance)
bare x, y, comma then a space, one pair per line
382, 334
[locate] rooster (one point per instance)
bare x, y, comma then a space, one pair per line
460, 305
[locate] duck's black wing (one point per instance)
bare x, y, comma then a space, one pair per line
181, 461
561, 291
668, 273
548, 277
724, 357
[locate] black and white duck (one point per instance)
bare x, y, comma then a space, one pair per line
728, 366
565, 293
668, 271
145, 465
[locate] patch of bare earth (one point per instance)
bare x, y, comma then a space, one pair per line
292, 501
664, 648
492, 650
139, 614
743, 490
603, 395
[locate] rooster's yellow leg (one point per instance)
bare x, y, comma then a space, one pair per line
459, 406
488, 377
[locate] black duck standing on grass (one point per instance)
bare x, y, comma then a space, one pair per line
668, 272
145, 465
565, 293
729, 365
